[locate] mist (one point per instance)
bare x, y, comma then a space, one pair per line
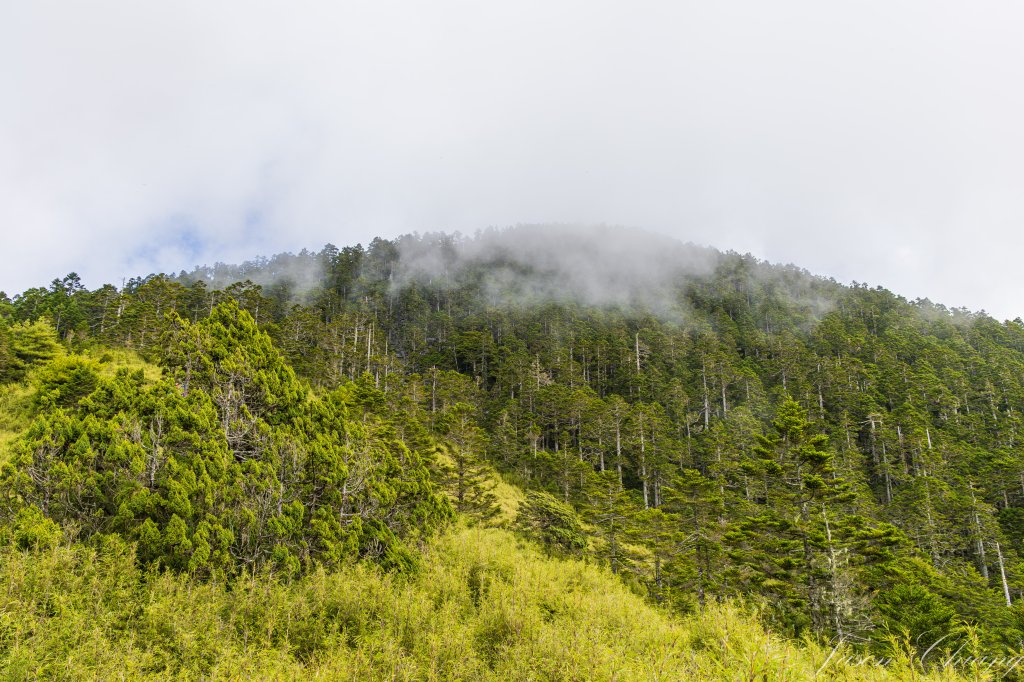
628, 269
529, 264
293, 275
875, 141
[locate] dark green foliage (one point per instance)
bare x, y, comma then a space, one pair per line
789, 550
912, 614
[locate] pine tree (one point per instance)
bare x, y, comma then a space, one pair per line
464, 471
26, 345
780, 549
612, 513
698, 505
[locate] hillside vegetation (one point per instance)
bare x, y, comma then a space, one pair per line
503, 457
485, 607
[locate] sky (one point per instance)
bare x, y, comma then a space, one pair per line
870, 141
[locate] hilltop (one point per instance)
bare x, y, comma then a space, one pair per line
534, 418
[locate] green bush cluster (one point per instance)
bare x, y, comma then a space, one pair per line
226, 464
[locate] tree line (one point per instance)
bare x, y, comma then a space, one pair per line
848, 458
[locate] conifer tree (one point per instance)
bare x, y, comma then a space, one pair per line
698, 504
779, 548
611, 512
465, 473
26, 345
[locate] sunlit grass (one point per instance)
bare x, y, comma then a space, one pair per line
509, 498
111, 360
485, 606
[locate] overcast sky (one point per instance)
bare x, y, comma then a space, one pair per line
881, 142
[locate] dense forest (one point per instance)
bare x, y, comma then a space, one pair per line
440, 456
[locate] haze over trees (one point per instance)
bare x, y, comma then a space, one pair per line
699, 428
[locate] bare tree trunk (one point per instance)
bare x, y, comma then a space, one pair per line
834, 605
1002, 574
643, 465
707, 397
618, 450
888, 480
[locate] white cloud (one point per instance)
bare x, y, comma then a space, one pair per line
876, 141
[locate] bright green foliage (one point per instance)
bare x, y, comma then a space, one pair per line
484, 608
31, 529
64, 382
464, 473
612, 515
749, 431
364, 489
552, 522
910, 613
25, 345
230, 465
17, 409
6, 352
235, 363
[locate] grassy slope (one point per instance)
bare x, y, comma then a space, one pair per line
484, 607
111, 360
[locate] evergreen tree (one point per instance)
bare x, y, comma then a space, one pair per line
780, 549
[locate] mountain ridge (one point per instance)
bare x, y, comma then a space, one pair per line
708, 428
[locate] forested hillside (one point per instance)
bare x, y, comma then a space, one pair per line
717, 432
